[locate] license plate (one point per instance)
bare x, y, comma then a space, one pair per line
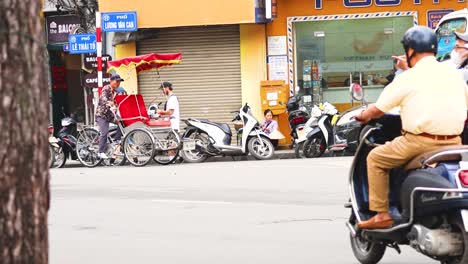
300, 133
464, 214
189, 145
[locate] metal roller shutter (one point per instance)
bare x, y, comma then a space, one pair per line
208, 81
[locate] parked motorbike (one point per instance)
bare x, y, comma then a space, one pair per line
53, 146
304, 130
429, 204
203, 139
334, 132
66, 140
298, 115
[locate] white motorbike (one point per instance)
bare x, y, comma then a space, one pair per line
334, 132
303, 130
203, 139
53, 146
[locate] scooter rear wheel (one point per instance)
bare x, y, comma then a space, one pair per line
195, 156
51, 156
457, 225
299, 150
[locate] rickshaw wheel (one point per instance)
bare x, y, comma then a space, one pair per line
139, 147
115, 151
166, 157
87, 146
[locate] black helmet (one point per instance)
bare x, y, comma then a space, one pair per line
421, 39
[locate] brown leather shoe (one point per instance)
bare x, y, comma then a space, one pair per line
374, 223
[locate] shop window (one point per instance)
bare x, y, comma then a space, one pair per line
344, 51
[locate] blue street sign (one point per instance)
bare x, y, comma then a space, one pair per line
66, 47
119, 21
82, 43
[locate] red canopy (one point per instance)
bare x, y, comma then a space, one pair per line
146, 62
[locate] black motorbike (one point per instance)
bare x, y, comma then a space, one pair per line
298, 115
66, 140
334, 132
428, 200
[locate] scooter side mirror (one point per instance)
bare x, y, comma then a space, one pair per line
297, 89
246, 107
356, 91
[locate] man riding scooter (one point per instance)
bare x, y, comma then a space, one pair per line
426, 84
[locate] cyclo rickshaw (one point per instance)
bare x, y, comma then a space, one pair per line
145, 136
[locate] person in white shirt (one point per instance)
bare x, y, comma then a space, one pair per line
171, 107
459, 54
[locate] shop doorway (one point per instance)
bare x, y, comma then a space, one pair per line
66, 89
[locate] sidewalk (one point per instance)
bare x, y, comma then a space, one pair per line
279, 154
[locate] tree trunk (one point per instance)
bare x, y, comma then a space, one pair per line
24, 173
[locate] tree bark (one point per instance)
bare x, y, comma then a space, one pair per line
24, 173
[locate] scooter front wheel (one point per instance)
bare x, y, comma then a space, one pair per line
314, 147
261, 148
365, 251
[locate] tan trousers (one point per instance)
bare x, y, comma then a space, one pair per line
395, 154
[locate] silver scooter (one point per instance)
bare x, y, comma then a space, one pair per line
304, 130
334, 132
203, 139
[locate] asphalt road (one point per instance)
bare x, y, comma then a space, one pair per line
280, 211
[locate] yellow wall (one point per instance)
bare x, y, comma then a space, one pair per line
164, 13
253, 65
131, 81
290, 8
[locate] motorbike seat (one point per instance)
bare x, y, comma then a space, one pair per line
449, 153
223, 127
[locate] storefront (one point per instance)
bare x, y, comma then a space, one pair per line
208, 81
66, 93
223, 51
333, 43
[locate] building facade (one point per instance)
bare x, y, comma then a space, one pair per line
334, 42
223, 52
316, 47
